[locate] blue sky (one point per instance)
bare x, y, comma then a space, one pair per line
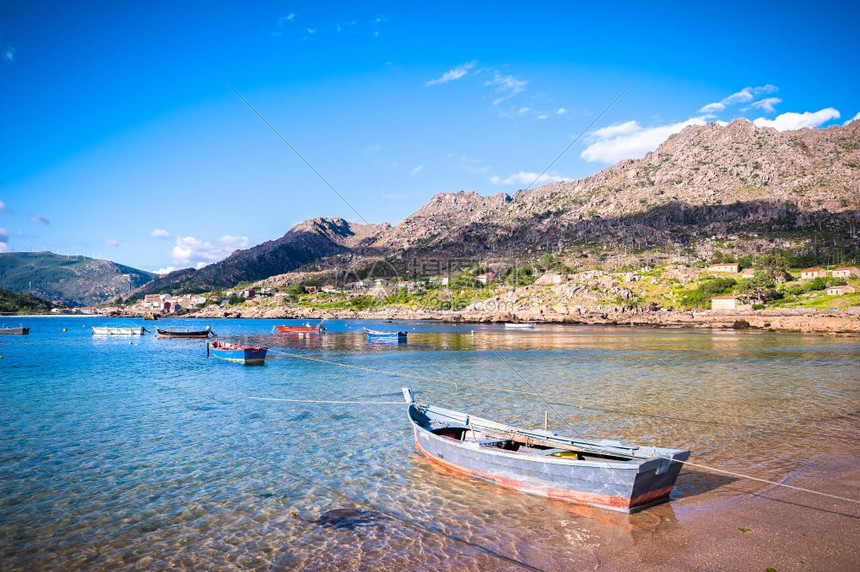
120, 138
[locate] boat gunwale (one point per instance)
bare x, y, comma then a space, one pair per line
641, 458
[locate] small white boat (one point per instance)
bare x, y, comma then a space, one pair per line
119, 331
519, 325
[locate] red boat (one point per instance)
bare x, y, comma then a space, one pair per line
306, 329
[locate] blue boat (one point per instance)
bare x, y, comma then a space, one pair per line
247, 355
380, 336
602, 473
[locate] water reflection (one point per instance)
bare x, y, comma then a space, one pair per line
124, 454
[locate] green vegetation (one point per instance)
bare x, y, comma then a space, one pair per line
700, 297
15, 303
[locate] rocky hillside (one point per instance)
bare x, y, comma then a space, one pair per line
704, 180
70, 281
304, 244
752, 187
15, 303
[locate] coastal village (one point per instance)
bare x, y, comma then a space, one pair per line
674, 293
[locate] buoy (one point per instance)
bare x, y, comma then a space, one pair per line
64, 329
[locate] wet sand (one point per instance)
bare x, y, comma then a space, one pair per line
773, 527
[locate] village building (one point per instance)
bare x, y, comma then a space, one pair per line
725, 267
840, 290
486, 277
310, 289
249, 294
845, 272
748, 272
726, 303
811, 273
157, 301
329, 288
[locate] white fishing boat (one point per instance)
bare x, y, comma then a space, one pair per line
118, 331
519, 325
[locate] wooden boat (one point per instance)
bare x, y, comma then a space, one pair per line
520, 325
118, 331
602, 473
18, 331
306, 329
380, 336
184, 333
247, 355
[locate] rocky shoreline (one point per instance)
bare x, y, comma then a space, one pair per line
778, 320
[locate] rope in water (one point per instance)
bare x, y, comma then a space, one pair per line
421, 378
615, 409
323, 402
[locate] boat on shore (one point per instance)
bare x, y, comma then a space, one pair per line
519, 325
381, 336
119, 331
184, 333
248, 355
601, 473
306, 329
16, 331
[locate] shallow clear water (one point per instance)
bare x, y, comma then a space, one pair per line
124, 453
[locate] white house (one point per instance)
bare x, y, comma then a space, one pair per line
846, 272
840, 290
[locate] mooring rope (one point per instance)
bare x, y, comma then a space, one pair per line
425, 379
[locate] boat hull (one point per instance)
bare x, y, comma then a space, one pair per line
180, 334
120, 331
247, 356
622, 485
385, 337
299, 329
14, 331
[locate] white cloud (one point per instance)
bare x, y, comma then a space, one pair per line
37, 219
416, 170
855, 118
190, 251
371, 150
2, 206
9, 54
506, 86
4, 247
311, 31
526, 178
766, 104
745, 95
163, 271
111, 241
4, 240
560, 111
284, 19
791, 121
159, 233
630, 140
452, 75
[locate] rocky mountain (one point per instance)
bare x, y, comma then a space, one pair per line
304, 244
704, 180
737, 185
70, 281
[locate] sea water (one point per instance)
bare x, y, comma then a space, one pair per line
123, 453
